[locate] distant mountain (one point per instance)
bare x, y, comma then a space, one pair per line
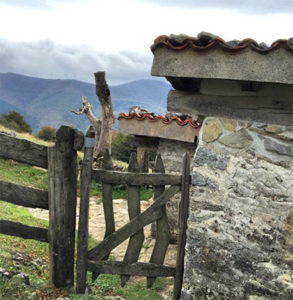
47, 102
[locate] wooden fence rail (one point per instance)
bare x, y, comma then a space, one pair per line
24, 196
139, 179
23, 151
24, 231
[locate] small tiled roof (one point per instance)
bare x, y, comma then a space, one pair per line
205, 41
183, 121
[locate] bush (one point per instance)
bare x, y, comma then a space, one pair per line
47, 133
121, 148
15, 121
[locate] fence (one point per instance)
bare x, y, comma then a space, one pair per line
61, 162
95, 260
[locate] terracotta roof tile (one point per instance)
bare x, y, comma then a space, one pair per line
205, 41
183, 121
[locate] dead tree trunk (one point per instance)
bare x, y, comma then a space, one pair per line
102, 127
107, 115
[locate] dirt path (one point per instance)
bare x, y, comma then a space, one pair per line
97, 231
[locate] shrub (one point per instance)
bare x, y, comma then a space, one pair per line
121, 148
15, 121
47, 133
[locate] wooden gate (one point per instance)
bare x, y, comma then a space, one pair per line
95, 260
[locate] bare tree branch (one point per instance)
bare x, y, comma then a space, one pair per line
102, 127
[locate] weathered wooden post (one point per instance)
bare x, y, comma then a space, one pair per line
62, 169
183, 216
85, 184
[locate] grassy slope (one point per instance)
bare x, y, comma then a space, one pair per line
35, 254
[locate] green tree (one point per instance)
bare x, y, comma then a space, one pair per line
15, 121
121, 148
47, 133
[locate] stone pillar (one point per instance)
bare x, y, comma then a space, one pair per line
240, 229
172, 154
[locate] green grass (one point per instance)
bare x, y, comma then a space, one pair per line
109, 285
32, 250
23, 174
105, 285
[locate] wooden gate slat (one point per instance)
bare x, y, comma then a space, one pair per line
134, 269
107, 199
85, 185
163, 230
183, 216
150, 215
133, 199
23, 195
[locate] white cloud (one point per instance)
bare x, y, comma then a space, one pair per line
115, 35
244, 6
50, 60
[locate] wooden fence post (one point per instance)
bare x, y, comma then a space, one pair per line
83, 231
183, 216
62, 169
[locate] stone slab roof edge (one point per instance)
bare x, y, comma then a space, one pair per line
163, 119
205, 41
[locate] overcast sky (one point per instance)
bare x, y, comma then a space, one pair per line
75, 38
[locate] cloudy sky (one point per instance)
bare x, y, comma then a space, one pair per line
75, 38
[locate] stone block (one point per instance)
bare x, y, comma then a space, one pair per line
218, 64
229, 124
238, 140
211, 130
278, 148
204, 156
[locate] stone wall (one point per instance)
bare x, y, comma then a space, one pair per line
240, 228
172, 154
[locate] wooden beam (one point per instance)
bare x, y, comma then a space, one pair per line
134, 269
24, 231
265, 109
117, 177
150, 215
22, 195
23, 151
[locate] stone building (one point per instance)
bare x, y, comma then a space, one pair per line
240, 226
169, 135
